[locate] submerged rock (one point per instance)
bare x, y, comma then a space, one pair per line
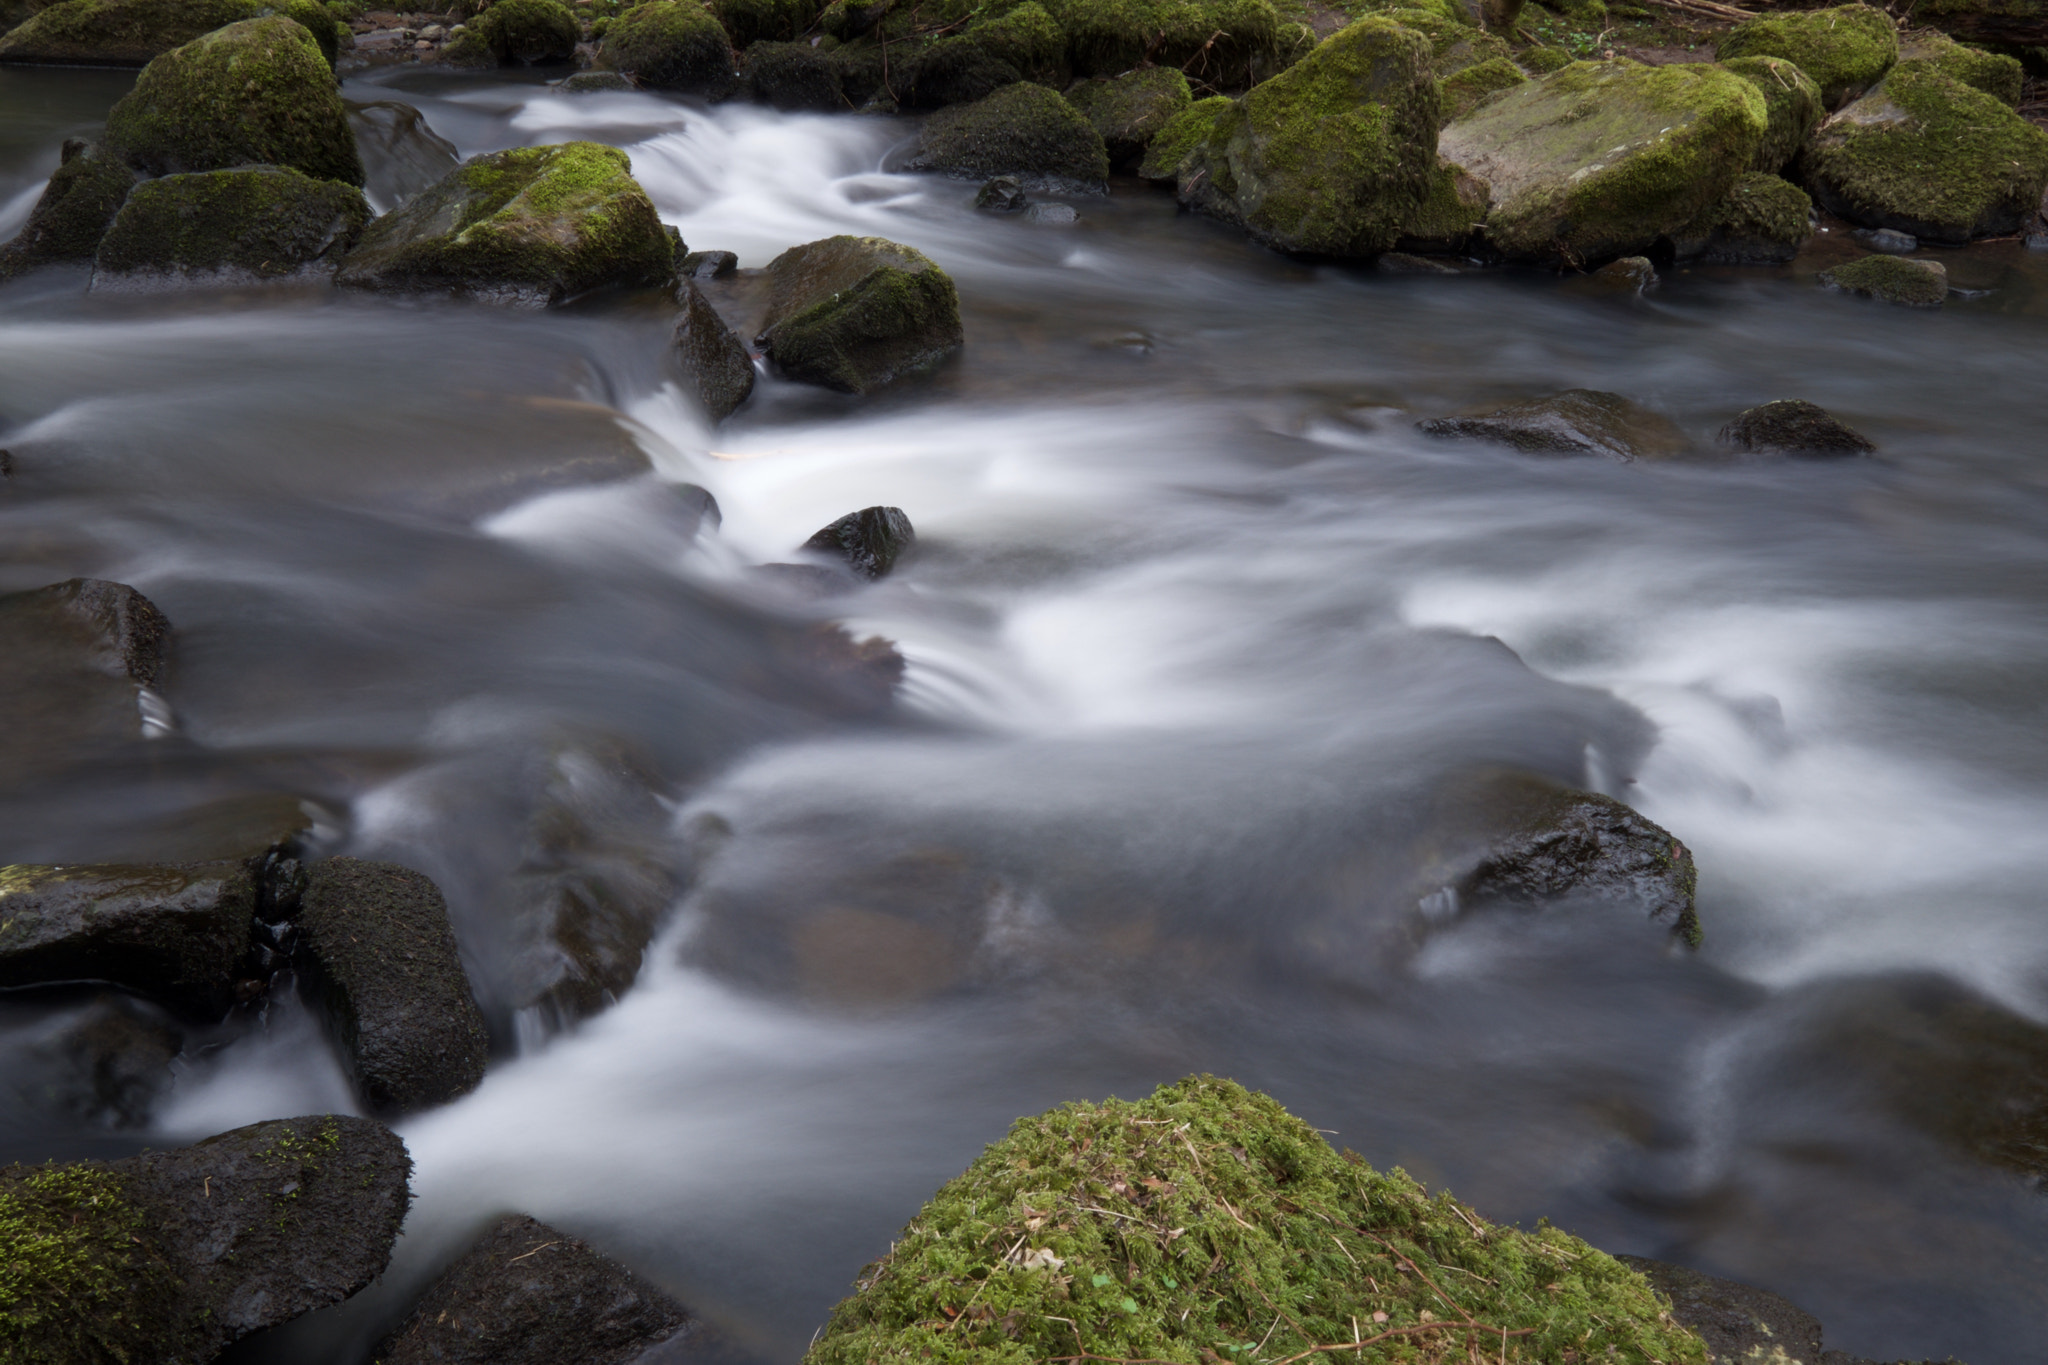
1023, 130
230, 227
1893, 279
75, 660
107, 1066
1003, 194
1792, 105
135, 32
854, 313
793, 77
868, 541
1844, 49
715, 363
672, 45
1128, 111
401, 154
1630, 275
72, 215
1793, 426
1738, 1322
1762, 220
526, 32
708, 265
594, 83
1575, 422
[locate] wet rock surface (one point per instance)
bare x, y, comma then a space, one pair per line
869, 541
1793, 426
401, 154
1023, 130
72, 215
1738, 1322
855, 313
1575, 422
230, 227
714, 361
75, 660
1891, 279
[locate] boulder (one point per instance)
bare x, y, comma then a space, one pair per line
1451, 212
1220, 44
401, 154
1543, 61
2023, 23
1996, 74
528, 1294
1023, 130
793, 77
1003, 194
1602, 159
714, 362
1911, 284
75, 659
376, 942
854, 313
170, 1256
253, 93
1926, 154
595, 83
1575, 422
527, 32
1334, 156
230, 227
72, 215
1762, 220
136, 32
1738, 1322
1180, 135
1844, 49
869, 541
1454, 44
672, 45
756, 21
1792, 104
708, 265
1128, 111
996, 51
1793, 426
1459, 94
105, 1067
532, 226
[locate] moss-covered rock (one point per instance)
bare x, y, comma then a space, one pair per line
1454, 208
1206, 1222
1762, 220
1792, 103
1023, 130
951, 71
1459, 94
1332, 157
530, 226
526, 32
135, 32
1541, 61
1453, 44
261, 223
1928, 155
1575, 422
1793, 426
1893, 279
672, 45
1845, 49
1028, 38
1994, 73
715, 364
1220, 44
72, 215
1130, 110
1602, 159
854, 313
793, 77
253, 93
1180, 135
764, 21
2023, 23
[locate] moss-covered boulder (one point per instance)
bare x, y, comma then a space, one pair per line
1023, 130
1220, 44
854, 313
998, 49
72, 215
1461, 93
1602, 159
1793, 426
253, 93
1454, 44
2023, 23
1845, 49
672, 45
230, 227
135, 32
1792, 103
1995, 73
1892, 279
531, 226
1575, 422
1206, 1221
1130, 110
764, 21
1180, 135
714, 362
1451, 212
793, 77
526, 32
1332, 157
1762, 220
1928, 155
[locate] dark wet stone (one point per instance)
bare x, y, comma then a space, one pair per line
708, 265
1739, 1323
402, 155
1793, 426
715, 363
1575, 422
1888, 240
377, 944
1004, 194
116, 627
1052, 215
108, 1066
74, 659
856, 313
594, 82
793, 77
528, 1294
68, 221
1629, 275
869, 541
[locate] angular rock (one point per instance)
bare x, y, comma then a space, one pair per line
1630, 275
1762, 220
1220, 44
1052, 215
708, 265
68, 221
1893, 279
1575, 422
1602, 159
793, 77
1128, 111
1004, 194
757, 21
1333, 157
1460, 94
401, 154
1996, 74
1793, 426
1844, 49
527, 32
532, 226
715, 364
672, 45
1023, 130
1451, 213
868, 541
74, 659
229, 227
376, 941
253, 93
854, 313
108, 1066
1738, 1322
136, 32
1181, 135
1792, 104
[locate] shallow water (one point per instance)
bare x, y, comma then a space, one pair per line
1196, 624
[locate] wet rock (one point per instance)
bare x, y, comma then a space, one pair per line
1792, 105
1129, 110
532, 226
107, 1066
595, 82
672, 45
793, 77
68, 221
75, 660
1793, 426
527, 32
265, 223
170, 1256
1738, 1322
1893, 279
1223, 44
1461, 93
135, 32
1052, 215
854, 313
1762, 220
281, 106
1890, 242
1575, 422
1844, 49
376, 941
1023, 130
1602, 159
708, 265
1629, 275
869, 541
1297, 180
401, 154
1004, 194
715, 364
527, 1294
1401, 263
1183, 132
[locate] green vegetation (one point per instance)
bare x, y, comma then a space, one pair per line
1762, 220
1844, 49
73, 1277
266, 221
1023, 130
773, 21
1182, 133
1130, 110
854, 313
1994, 73
527, 31
1893, 279
1460, 94
132, 32
1455, 205
1453, 45
1791, 103
671, 45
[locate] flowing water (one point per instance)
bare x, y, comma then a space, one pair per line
1195, 624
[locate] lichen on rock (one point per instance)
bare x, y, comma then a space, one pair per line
134, 32
1844, 49
230, 227
855, 313
1023, 130
72, 215
672, 45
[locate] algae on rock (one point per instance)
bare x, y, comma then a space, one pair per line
854, 313
261, 222
72, 215
135, 32
672, 45
1844, 49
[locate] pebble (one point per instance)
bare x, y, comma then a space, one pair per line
1052, 215
1889, 241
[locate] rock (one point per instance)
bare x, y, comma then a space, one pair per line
1913, 284
1301, 178
401, 154
1996, 74
708, 265
1181, 135
1844, 49
253, 93
1793, 426
1602, 159
715, 363
1630, 275
672, 45
170, 1256
1763, 220
527, 1294
1739, 1322
1928, 155
1455, 44
1401, 263
868, 541
136, 32
1052, 215
1575, 422
996, 51
229, 227
793, 77
1889, 242
72, 215
75, 659
595, 82
1792, 104
1459, 94
1004, 194
1221, 44
1130, 110
1022, 130
376, 942
757, 21
527, 32
1456, 205
854, 313
2020, 22
107, 1066
531, 226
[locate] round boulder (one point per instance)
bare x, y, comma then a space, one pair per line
229, 227
854, 313
672, 45
1023, 130
1793, 426
1844, 49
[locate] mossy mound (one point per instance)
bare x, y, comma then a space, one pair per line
1130, 110
1928, 155
256, 93
855, 313
1791, 102
1220, 44
1844, 49
1459, 94
261, 222
764, 21
1182, 133
72, 215
792, 77
1028, 38
1602, 159
1893, 279
529, 226
1994, 73
1206, 1223
1453, 209
672, 45
136, 32
997, 50
1541, 61
527, 31
1763, 220
1453, 44
1023, 130
1332, 157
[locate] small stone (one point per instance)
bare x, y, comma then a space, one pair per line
1004, 194
708, 265
1052, 215
1575, 422
1793, 426
1629, 275
433, 33
1889, 240
869, 541
1908, 283
1737, 1321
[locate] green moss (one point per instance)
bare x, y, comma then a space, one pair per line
253, 93
1028, 38
1844, 49
1023, 130
262, 221
771, 21
1453, 45
1762, 220
68, 221
132, 32
1206, 1223
1792, 103
1292, 43
1445, 11
1220, 44
856, 313
1994, 73
672, 45
527, 31
1541, 61
1455, 205
1460, 94
1182, 133
1894, 279
1130, 110
75, 1284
